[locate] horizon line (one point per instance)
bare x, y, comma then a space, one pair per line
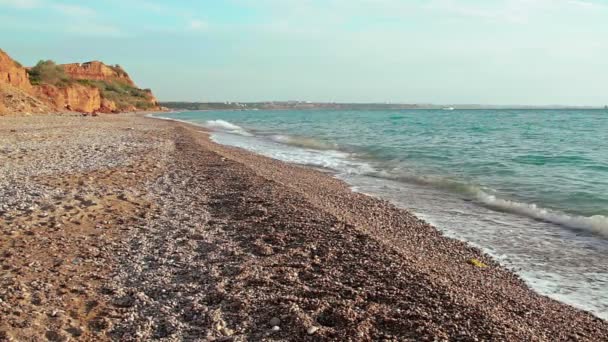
389, 103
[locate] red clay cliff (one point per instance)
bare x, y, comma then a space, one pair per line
96, 70
88, 88
75, 97
12, 73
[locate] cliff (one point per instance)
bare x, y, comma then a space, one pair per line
16, 101
88, 88
74, 97
15, 89
96, 70
12, 73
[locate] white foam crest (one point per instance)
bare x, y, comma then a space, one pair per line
228, 127
154, 116
328, 159
280, 138
597, 224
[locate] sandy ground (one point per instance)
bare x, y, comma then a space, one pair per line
120, 227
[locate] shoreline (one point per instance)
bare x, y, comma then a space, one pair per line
332, 174
574, 278
571, 220
222, 241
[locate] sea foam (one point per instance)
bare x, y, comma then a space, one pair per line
227, 127
597, 224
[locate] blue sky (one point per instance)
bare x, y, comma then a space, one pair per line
435, 51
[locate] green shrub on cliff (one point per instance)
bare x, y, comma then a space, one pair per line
47, 72
119, 70
123, 95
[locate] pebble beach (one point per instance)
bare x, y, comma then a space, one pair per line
130, 228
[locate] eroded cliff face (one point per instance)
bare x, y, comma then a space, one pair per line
118, 92
75, 97
88, 88
96, 70
16, 90
12, 73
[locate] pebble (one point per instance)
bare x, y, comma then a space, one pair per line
312, 330
226, 331
193, 197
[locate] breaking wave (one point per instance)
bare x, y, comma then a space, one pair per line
597, 224
225, 126
298, 141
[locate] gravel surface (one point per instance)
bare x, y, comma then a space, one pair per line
128, 228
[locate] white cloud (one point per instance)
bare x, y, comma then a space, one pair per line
20, 4
83, 20
512, 10
147, 5
94, 30
492, 10
197, 25
63, 8
588, 4
73, 10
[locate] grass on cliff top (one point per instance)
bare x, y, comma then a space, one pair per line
119, 70
47, 72
123, 95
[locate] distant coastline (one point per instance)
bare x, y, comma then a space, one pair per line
304, 105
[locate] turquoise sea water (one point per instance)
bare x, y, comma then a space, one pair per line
529, 187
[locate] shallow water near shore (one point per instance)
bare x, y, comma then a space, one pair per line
530, 187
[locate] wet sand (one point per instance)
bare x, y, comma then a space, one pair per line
126, 228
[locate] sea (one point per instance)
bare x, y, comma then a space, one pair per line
529, 187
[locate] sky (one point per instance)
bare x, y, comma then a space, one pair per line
529, 52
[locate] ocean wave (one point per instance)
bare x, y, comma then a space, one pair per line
303, 142
338, 161
434, 181
292, 140
228, 127
597, 224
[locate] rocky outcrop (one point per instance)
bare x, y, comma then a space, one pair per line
12, 73
118, 91
108, 106
88, 88
96, 70
75, 97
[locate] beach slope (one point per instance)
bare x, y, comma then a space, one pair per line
132, 228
